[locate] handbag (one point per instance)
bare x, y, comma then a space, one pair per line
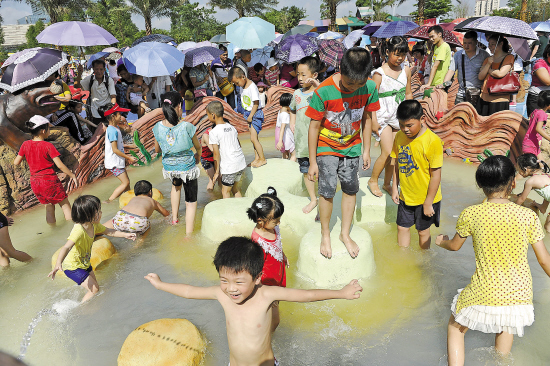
226, 87
200, 93
508, 84
471, 95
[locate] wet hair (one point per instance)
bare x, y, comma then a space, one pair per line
85, 209
398, 45
36, 130
258, 67
546, 53
222, 48
235, 73
170, 100
98, 61
499, 38
120, 68
266, 207
356, 64
495, 174
543, 100
285, 100
409, 109
104, 108
238, 254
530, 161
471, 35
216, 108
312, 64
436, 29
143, 187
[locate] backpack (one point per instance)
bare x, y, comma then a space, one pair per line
89, 114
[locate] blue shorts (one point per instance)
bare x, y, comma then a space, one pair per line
117, 171
78, 275
257, 120
304, 165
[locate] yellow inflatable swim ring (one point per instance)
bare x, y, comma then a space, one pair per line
163, 342
128, 195
102, 250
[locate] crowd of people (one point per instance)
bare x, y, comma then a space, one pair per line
325, 125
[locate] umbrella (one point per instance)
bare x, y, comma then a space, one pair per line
200, 55
205, 44
542, 27
250, 32
447, 26
299, 29
220, 38
32, 67
153, 59
422, 33
75, 34
186, 46
13, 57
312, 34
365, 41
352, 38
398, 28
506, 26
331, 35
276, 41
370, 28
161, 38
464, 23
294, 48
110, 49
331, 52
96, 56
260, 55
521, 47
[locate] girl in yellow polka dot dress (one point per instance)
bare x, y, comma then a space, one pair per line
499, 298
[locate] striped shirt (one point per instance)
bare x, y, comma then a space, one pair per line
340, 115
471, 69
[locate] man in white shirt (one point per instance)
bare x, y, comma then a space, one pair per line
158, 85
101, 88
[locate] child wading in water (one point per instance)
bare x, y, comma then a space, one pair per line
499, 298
248, 305
284, 138
393, 81
266, 212
115, 158
74, 257
250, 109
537, 122
41, 157
307, 72
539, 181
207, 157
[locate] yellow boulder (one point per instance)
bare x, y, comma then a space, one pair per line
163, 342
102, 250
128, 195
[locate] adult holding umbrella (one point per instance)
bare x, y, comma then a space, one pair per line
292, 49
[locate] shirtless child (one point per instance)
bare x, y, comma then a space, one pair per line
246, 302
134, 218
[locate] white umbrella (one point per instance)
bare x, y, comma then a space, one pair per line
186, 46
353, 37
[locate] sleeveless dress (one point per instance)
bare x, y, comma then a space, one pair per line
390, 94
274, 272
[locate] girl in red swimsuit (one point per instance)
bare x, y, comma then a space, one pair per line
266, 212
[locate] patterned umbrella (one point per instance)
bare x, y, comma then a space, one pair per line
370, 28
153, 59
31, 67
331, 35
505, 26
391, 29
352, 38
331, 52
14, 57
422, 33
294, 48
155, 38
197, 56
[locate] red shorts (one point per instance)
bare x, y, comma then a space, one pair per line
48, 189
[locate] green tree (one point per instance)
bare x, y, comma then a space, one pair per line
193, 23
33, 31
150, 9
434, 9
245, 8
58, 10
536, 10
286, 18
328, 10
115, 17
378, 7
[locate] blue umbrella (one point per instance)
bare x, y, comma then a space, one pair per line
201, 55
153, 59
372, 27
365, 41
260, 56
96, 56
312, 34
250, 32
542, 27
391, 29
155, 38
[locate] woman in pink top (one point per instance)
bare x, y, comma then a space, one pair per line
541, 80
537, 121
288, 76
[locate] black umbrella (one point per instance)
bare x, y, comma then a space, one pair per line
458, 27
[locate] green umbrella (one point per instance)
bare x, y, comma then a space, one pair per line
299, 29
220, 38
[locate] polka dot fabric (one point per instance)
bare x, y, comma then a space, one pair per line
501, 235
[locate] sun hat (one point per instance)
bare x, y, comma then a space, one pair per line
261, 83
114, 109
271, 62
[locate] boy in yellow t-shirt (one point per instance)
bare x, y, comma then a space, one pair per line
418, 157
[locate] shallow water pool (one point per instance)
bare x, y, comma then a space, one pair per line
400, 318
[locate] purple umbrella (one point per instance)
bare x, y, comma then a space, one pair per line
32, 67
501, 25
13, 57
391, 29
370, 28
294, 48
75, 34
197, 56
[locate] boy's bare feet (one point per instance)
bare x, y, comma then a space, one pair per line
374, 189
387, 188
310, 206
259, 163
326, 249
107, 201
351, 246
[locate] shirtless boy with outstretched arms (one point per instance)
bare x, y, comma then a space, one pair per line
246, 302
